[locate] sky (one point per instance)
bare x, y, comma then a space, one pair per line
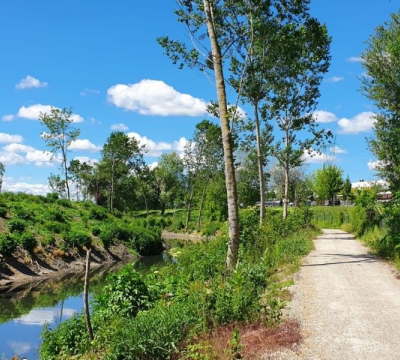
101, 59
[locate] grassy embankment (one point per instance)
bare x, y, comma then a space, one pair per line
169, 312
38, 232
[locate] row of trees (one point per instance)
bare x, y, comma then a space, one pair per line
274, 54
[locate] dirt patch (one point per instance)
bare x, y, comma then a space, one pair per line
256, 340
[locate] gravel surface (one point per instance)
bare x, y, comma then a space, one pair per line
347, 303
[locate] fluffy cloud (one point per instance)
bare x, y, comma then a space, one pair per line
30, 82
337, 150
119, 127
335, 79
314, 157
355, 59
376, 165
322, 116
154, 97
359, 123
155, 149
14, 153
153, 165
8, 138
84, 145
43, 316
86, 159
35, 189
33, 112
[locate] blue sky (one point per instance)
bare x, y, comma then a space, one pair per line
101, 58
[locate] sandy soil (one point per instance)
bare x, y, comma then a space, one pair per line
347, 302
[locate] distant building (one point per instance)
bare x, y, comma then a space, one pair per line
362, 184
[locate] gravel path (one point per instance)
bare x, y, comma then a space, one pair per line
347, 302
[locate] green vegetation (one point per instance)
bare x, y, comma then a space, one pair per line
46, 222
150, 316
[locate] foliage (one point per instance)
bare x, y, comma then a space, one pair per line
328, 182
381, 85
77, 238
7, 244
17, 225
125, 295
28, 241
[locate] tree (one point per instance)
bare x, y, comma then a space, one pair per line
328, 182
59, 136
169, 175
346, 191
213, 17
298, 75
2, 172
57, 185
382, 85
121, 155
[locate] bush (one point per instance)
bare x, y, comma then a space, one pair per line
56, 214
64, 202
17, 225
3, 211
98, 213
7, 244
23, 213
147, 242
126, 294
57, 227
28, 241
77, 238
96, 231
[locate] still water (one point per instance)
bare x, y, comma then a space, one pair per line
25, 310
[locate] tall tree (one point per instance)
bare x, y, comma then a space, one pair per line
214, 18
306, 59
2, 172
346, 191
382, 85
121, 155
58, 137
328, 182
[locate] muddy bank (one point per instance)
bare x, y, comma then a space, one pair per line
23, 267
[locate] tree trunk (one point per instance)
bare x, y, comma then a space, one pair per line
203, 196
86, 295
286, 194
189, 210
230, 179
260, 163
112, 187
66, 175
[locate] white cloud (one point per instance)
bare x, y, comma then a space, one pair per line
155, 149
338, 150
86, 159
33, 112
19, 347
30, 82
153, 165
22, 186
154, 97
14, 153
335, 79
8, 138
376, 165
119, 127
359, 123
355, 59
84, 145
43, 316
8, 117
322, 116
313, 157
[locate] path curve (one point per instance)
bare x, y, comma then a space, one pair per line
347, 303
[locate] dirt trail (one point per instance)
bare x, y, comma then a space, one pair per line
347, 302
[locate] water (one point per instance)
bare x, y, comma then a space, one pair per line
25, 310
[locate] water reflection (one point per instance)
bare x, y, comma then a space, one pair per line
25, 309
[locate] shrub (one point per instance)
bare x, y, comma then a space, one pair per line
57, 214
77, 238
96, 231
52, 197
57, 227
147, 242
98, 213
126, 294
17, 225
28, 241
3, 211
64, 202
108, 234
7, 244
23, 213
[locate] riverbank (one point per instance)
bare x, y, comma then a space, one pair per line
23, 267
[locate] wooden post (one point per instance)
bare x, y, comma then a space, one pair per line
86, 295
